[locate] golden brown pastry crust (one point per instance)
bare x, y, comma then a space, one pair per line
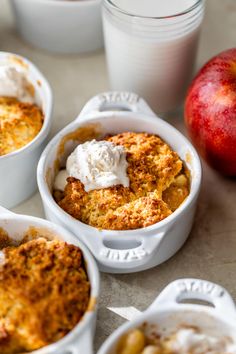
44, 293
152, 168
19, 124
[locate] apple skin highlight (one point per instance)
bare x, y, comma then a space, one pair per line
210, 112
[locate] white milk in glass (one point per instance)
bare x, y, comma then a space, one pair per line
151, 47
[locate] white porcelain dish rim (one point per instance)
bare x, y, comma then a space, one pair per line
87, 117
169, 302
47, 109
94, 278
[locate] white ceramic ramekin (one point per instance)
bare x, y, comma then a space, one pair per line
18, 169
132, 250
167, 313
60, 26
80, 339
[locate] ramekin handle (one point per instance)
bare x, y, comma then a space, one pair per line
116, 101
4, 211
85, 344
130, 257
196, 289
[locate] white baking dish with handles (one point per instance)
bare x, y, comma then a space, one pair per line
168, 313
131, 250
60, 26
80, 339
18, 169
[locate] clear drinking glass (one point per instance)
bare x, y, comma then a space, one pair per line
151, 47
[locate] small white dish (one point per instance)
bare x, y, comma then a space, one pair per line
167, 314
60, 26
18, 169
80, 339
132, 250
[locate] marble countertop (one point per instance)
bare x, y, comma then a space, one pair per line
209, 252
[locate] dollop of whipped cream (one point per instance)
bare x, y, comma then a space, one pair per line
60, 180
14, 83
188, 340
98, 164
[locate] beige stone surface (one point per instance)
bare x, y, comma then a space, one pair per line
210, 251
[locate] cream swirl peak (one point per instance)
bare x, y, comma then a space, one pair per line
98, 164
14, 83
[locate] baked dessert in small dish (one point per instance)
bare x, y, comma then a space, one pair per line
45, 286
25, 120
21, 118
170, 326
157, 183
49, 285
123, 180
185, 340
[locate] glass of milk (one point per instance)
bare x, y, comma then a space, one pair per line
151, 47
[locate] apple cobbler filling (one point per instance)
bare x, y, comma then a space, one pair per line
185, 340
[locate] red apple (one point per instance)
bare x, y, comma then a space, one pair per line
210, 112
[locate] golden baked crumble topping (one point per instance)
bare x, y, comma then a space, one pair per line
44, 293
159, 183
20, 122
